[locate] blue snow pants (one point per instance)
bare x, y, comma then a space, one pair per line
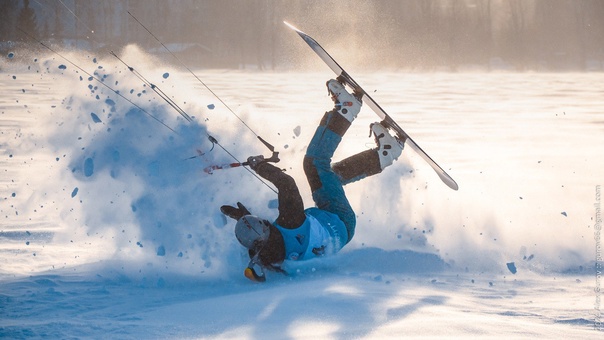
326, 186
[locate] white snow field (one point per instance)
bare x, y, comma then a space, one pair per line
109, 230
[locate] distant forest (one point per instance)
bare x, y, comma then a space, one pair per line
547, 35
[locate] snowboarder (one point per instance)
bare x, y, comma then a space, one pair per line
298, 233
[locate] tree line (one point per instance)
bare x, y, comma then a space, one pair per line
412, 34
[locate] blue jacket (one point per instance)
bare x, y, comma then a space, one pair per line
298, 233
320, 234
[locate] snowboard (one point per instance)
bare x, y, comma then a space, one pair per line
387, 121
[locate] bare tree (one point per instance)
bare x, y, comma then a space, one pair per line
8, 14
516, 34
484, 29
27, 19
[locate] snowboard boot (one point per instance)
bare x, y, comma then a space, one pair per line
347, 104
389, 148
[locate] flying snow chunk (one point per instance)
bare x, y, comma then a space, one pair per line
88, 167
219, 220
111, 104
166, 75
273, 204
512, 267
211, 106
74, 192
11, 55
564, 213
297, 131
95, 118
62, 67
161, 251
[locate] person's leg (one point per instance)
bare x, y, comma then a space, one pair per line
357, 167
325, 185
370, 162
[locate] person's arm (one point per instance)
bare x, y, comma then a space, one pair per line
291, 206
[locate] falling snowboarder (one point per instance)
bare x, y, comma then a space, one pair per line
298, 233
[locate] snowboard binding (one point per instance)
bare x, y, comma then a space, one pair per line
400, 138
357, 92
346, 104
389, 148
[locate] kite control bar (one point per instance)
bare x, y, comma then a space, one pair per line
273, 159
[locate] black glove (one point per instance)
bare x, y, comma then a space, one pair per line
235, 213
254, 161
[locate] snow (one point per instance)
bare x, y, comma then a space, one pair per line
111, 229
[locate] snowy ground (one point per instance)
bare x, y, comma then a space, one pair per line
108, 230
